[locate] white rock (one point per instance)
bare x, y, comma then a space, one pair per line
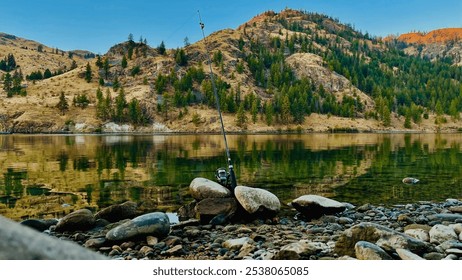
418, 233
113, 127
441, 233
254, 199
201, 188
293, 251
236, 244
314, 206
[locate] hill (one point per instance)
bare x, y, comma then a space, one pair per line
287, 71
444, 35
438, 44
33, 56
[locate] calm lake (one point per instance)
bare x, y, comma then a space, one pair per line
51, 175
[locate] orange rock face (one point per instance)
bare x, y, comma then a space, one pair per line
436, 36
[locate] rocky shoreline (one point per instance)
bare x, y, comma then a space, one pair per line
423, 230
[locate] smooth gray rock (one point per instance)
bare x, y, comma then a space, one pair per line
201, 188
445, 217
156, 224
80, 220
255, 200
369, 251
315, 206
19, 242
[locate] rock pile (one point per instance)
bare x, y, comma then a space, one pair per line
214, 202
318, 228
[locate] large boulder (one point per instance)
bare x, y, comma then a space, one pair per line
441, 233
19, 242
156, 224
209, 208
80, 220
315, 206
257, 201
201, 188
388, 239
115, 213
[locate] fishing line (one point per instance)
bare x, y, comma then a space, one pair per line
181, 26
233, 183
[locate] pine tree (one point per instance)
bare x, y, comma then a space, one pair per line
166, 104
120, 105
106, 67
99, 62
254, 110
285, 109
47, 74
269, 112
453, 111
134, 112
124, 62
7, 83
130, 37
186, 41
62, 105
106, 107
180, 57
11, 62
241, 118
386, 116
161, 48
88, 73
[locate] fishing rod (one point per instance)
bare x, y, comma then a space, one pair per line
231, 183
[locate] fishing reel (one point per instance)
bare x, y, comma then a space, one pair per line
225, 178
222, 176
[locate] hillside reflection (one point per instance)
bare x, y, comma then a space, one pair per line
51, 175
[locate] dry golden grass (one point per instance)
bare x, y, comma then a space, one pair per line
39, 106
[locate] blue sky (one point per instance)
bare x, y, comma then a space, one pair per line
96, 25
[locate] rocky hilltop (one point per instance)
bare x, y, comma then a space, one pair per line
286, 71
436, 44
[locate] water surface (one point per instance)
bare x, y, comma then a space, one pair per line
51, 175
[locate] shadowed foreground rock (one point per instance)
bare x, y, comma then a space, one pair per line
19, 242
156, 224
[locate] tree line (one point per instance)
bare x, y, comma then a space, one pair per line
410, 86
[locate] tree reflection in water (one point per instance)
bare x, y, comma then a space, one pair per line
155, 170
